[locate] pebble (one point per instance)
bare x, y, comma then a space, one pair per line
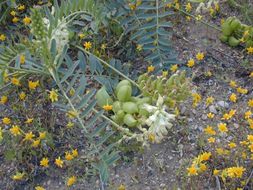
223, 104
204, 117
212, 109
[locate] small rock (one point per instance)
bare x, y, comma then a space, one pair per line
212, 109
236, 125
204, 117
223, 104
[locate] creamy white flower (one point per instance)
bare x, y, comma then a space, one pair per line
159, 121
204, 7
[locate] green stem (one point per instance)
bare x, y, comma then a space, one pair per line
203, 22
108, 65
26, 70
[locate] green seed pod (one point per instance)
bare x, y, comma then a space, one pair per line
129, 120
120, 115
223, 38
235, 24
124, 93
226, 28
232, 41
130, 107
122, 83
116, 106
103, 98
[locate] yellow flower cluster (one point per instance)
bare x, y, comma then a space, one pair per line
198, 165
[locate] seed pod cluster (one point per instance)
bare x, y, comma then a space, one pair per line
234, 32
174, 89
127, 109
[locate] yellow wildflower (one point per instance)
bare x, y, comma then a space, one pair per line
232, 84
231, 145
121, 187
27, 20
235, 172
223, 127
205, 156
196, 99
247, 114
216, 172
202, 167
70, 124
242, 90
59, 162
13, 13
53, 95
33, 85
15, 19
209, 100
200, 56
18, 176
29, 120
81, 35
36, 143
87, 45
15, 81
151, 68
174, 68
68, 156
22, 96
42, 135
151, 137
211, 140
188, 7
107, 107
44, 162
192, 171
250, 103
188, 18
75, 153
39, 188
210, 115
15, 130
71, 181
251, 75
29, 136
4, 99
2, 37
198, 17
6, 120
191, 63
250, 50
21, 7
233, 97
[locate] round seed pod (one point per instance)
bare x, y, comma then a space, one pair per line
124, 93
224, 38
130, 121
232, 41
122, 83
130, 107
116, 106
